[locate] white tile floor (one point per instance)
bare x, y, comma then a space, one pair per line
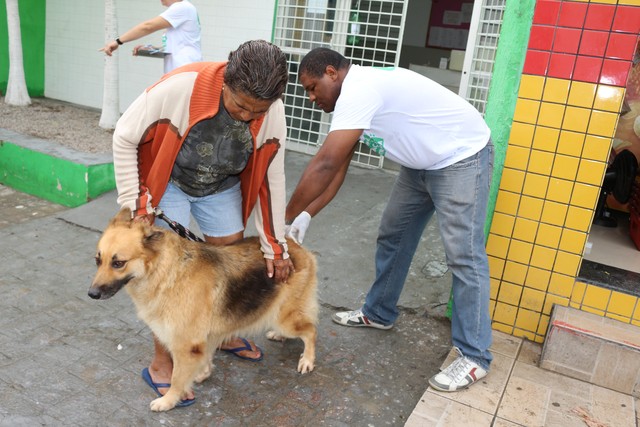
613, 246
519, 393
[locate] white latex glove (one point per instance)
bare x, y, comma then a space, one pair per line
298, 227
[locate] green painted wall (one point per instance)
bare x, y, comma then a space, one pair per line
505, 83
32, 24
55, 179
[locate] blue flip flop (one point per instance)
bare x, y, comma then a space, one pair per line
236, 351
155, 386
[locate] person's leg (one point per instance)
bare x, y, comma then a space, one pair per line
219, 217
460, 193
405, 216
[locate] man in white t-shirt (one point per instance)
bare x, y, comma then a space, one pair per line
444, 149
181, 39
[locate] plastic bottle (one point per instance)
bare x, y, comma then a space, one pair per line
354, 26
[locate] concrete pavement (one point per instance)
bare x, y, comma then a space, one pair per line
68, 360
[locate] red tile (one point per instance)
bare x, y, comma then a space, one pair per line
546, 12
599, 17
587, 69
593, 43
561, 65
621, 46
541, 37
615, 72
566, 40
572, 14
536, 62
627, 19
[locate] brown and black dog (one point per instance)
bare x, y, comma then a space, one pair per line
193, 295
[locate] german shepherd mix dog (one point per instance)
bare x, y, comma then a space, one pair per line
193, 295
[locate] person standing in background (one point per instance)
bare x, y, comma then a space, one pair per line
181, 38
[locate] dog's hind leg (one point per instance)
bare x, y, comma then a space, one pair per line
188, 361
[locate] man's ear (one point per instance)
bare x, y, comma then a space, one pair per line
331, 72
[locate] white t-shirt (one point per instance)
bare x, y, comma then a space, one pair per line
183, 37
409, 118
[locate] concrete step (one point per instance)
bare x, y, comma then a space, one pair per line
592, 348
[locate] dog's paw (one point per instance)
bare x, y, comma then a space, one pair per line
206, 373
162, 404
273, 336
305, 365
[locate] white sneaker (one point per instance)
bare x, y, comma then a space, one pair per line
459, 375
357, 319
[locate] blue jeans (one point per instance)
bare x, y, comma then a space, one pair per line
458, 194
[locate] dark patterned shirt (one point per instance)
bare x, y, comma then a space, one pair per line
213, 154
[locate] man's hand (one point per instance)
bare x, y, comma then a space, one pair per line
281, 267
298, 227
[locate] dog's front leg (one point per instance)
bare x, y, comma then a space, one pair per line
186, 364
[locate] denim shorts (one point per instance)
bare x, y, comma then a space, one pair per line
217, 215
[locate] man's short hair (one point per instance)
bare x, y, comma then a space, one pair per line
316, 61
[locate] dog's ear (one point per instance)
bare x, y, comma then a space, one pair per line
124, 216
152, 236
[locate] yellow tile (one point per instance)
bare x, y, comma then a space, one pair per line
629, 2
521, 134
517, 157
578, 218
554, 213
591, 172
585, 195
538, 339
502, 224
492, 306
514, 273
582, 94
540, 162
577, 293
609, 98
562, 285
526, 110
559, 190
622, 304
494, 287
548, 235
531, 86
567, 263
537, 278
501, 327
636, 313
509, 293
497, 246
570, 143
565, 167
530, 207
527, 320
525, 229
596, 297
551, 115
507, 202
554, 299
520, 251
605, 1
532, 299
520, 333
496, 267
543, 325
603, 123
576, 119
546, 138
535, 185
596, 148
543, 257
573, 241
512, 180
505, 313
556, 90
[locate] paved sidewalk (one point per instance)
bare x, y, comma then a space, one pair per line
67, 360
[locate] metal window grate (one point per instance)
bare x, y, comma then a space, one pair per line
367, 32
483, 42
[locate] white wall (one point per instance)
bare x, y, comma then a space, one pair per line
75, 32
